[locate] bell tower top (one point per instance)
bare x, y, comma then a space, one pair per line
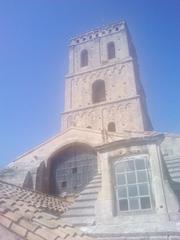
103, 85
97, 48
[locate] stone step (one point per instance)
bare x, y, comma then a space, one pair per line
177, 161
173, 165
176, 179
83, 204
80, 221
97, 177
88, 192
79, 212
175, 174
82, 211
77, 216
174, 169
91, 190
81, 207
136, 236
94, 181
87, 197
172, 161
93, 186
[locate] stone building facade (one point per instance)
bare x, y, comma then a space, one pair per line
106, 87
124, 175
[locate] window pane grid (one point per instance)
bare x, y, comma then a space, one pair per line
119, 176
133, 188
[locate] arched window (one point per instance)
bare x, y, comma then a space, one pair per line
133, 191
111, 127
66, 174
98, 91
84, 58
111, 50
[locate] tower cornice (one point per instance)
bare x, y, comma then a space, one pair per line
123, 61
98, 32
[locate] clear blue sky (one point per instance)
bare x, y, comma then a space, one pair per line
34, 37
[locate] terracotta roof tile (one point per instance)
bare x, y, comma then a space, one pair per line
34, 199
18, 229
46, 233
31, 226
32, 236
47, 223
61, 232
3, 209
13, 216
24, 218
5, 221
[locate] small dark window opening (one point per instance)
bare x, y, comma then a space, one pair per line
111, 50
111, 127
89, 127
74, 170
84, 58
64, 184
98, 91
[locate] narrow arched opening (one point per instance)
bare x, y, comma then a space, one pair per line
111, 127
84, 58
98, 91
111, 50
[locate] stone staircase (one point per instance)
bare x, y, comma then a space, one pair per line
173, 165
139, 236
82, 211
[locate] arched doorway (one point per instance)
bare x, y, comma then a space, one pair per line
72, 169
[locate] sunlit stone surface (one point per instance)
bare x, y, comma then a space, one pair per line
123, 178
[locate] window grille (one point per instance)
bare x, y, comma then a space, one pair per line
133, 184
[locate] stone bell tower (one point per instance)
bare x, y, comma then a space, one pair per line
103, 89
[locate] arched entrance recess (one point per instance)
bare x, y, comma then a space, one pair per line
72, 169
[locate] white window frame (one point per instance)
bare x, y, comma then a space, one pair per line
139, 196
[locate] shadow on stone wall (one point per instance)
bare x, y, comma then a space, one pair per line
28, 181
41, 178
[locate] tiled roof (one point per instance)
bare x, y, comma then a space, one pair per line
34, 199
29, 215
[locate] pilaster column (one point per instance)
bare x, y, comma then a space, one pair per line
157, 181
105, 200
